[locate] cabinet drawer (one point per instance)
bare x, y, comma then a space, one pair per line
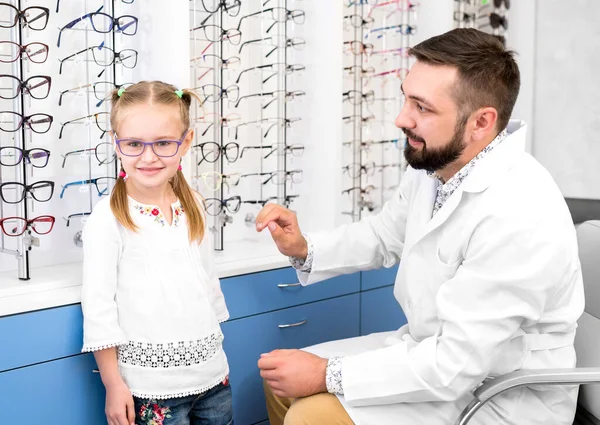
61, 392
246, 339
380, 311
378, 278
262, 292
40, 336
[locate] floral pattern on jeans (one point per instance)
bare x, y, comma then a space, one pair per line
152, 413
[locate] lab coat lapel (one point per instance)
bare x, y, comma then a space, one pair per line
422, 209
432, 223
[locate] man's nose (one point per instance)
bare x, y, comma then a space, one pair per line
404, 120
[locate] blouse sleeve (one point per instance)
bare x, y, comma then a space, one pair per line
101, 252
207, 259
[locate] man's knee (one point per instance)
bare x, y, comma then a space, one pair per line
318, 409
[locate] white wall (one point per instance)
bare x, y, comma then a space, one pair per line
521, 39
567, 89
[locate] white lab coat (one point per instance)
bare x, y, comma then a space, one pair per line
491, 284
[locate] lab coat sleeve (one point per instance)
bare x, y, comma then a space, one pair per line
373, 242
506, 277
101, 252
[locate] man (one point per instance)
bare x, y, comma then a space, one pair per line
489, 277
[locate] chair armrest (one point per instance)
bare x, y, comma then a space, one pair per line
495, 386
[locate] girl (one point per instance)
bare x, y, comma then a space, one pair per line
151, 299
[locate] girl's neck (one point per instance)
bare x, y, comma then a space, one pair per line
160, 196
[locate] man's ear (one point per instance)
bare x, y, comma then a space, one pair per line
484, 123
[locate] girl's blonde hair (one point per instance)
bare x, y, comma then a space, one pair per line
156, 92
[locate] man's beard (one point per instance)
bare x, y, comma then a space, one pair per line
435, 159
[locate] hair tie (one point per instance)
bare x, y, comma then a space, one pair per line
121, 91
179, 93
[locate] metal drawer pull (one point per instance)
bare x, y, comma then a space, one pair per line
288, 285
95, 371
291, 325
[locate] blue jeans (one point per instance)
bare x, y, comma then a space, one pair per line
212, 407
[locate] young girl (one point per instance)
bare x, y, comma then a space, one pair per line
151, 299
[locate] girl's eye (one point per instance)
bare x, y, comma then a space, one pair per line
133, 144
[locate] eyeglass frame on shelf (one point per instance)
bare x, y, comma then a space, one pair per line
104, 131
93, 181
25, 154
27, 225
88, 151
30, 188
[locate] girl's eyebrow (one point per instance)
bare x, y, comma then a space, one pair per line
165, 137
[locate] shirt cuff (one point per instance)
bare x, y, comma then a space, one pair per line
301, 264
333, 376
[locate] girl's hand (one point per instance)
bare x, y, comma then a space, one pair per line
119, 405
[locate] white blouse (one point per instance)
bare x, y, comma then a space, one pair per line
155, 297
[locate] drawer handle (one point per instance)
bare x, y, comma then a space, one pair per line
288, 285
95, 371
292, 325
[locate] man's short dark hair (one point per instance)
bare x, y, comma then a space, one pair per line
488, 74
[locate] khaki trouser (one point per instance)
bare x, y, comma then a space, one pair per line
319, 409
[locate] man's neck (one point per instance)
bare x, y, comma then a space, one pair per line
470, 152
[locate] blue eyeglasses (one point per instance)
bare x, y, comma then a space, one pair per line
161, 148
102, 184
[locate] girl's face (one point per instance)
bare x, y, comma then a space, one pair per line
150, 123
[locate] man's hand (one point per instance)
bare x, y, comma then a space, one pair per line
283, 225
293, 373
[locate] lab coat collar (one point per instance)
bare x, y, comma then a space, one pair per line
488, 169
501, 159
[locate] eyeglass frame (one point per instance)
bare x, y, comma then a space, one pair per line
289, 68
27, 225
93, 85
285, 121
223, 205
114, 23
23, 49
70, 216
22, 86
83, 118
25, 155
288, 16
28, 189
151, 144
93, 181
26, 119
20, 16
100, 47
221, 149
89, 150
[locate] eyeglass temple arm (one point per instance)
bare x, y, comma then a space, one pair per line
37, 17
73, 23
71, 56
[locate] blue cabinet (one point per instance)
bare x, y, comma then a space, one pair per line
45, 379
60, 392
295, 327
267, 291
40, 336
380, 311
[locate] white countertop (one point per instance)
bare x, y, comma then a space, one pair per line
60, 285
